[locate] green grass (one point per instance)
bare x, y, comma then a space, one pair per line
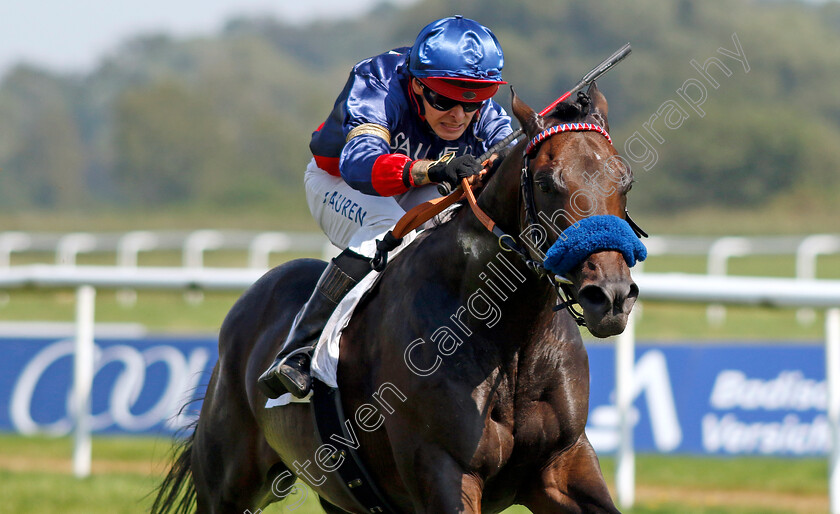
291, 214
25, 492
796, 213
127, 469
681, 322
794, 476
169, 312
35, 475
135, 448
158, 311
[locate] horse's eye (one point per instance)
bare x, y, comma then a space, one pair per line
545, 187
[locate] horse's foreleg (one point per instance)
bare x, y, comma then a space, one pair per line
441, 485
572, 482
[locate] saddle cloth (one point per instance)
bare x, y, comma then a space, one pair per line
325, 357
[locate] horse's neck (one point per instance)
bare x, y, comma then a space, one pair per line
500, 198
503, 310
475, 271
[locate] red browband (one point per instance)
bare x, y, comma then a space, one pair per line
565, 127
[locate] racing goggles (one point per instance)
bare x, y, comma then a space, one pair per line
443, 103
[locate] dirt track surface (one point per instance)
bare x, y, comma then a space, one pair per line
754, 499
18, 463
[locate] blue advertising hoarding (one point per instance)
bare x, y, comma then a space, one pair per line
139, 385
723, 399
714, 399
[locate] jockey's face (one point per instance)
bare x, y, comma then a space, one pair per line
448, 125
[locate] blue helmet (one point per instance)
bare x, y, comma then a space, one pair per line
459, 49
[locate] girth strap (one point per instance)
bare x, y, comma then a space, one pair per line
330, 421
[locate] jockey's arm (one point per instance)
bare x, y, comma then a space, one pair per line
392, 174
367, 165
366, 161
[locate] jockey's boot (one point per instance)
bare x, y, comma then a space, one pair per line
290, 370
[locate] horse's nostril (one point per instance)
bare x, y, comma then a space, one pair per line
634, 291
592, 296
617, 297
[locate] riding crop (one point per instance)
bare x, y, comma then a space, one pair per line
592, 76
425, 211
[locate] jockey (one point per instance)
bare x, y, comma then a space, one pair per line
381, 152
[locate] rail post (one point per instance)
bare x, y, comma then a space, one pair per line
832, 373
71, 245
261, 247
806, 265
128, 248
625, 359
719, 254
195, 245
83, 368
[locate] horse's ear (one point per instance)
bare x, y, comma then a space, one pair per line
532, 123
599, 106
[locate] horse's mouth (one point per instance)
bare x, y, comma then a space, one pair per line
607, 305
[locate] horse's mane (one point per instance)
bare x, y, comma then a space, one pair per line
577, 110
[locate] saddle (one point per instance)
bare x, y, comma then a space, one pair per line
333, 427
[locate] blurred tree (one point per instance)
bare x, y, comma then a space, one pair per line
42, 154
169, 145
225, 119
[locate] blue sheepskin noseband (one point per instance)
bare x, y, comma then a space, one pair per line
591, 235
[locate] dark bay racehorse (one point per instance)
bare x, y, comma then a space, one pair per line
466, 390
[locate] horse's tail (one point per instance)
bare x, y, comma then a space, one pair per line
176, 493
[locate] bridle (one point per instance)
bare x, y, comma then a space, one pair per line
507, 242
560, 284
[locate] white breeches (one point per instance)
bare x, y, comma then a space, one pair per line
352, 219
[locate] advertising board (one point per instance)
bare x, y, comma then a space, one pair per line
722, 399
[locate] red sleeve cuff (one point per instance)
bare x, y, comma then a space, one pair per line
387, 176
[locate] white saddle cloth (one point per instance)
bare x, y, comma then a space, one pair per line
325, 357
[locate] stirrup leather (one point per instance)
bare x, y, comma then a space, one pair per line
335, 283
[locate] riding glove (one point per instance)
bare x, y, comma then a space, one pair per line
454, 170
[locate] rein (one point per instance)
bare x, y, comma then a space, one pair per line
423, 212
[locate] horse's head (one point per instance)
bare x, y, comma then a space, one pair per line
578, 187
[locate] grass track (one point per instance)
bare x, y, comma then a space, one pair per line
35, 477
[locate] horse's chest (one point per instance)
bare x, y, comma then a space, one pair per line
546, 425
536, 428
495, 447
